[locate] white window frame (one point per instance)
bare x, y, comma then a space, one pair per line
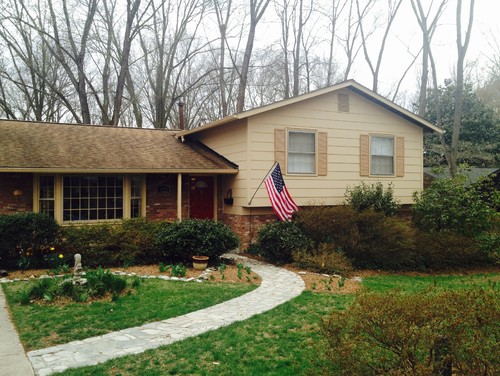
289, 152
373, 172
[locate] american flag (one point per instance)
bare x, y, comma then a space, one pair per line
281, 201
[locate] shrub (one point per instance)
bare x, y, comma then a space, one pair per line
325, 260
277, 241
180, 241
416, 334
106, 244
372, 197
451, 204
384, 242
25, 236
448, 249
329, 224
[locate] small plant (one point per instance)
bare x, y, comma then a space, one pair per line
240, 270
341, 282
163, 268
178, 270
136, 282
24, 297
222, 269
248, 269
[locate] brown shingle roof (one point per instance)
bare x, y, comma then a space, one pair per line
29, 146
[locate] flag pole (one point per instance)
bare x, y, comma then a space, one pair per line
272, 167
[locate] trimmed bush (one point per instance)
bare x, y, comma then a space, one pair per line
329, 224
384, 243
180, 241
372, 197
279, 240
24, 237
106, 244
394, 333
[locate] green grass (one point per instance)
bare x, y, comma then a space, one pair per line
46, 325
283, 341
380, 283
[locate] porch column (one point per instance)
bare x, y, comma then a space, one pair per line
179, 197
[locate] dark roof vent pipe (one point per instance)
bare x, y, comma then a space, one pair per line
181, 115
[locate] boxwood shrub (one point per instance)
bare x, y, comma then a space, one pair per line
113, 244
25, 237
279, 240
179, 241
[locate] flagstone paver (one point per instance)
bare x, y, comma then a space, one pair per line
277, 287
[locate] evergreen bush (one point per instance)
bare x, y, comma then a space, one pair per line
25, 238
372, 197
180, 241
450, 204
279, 240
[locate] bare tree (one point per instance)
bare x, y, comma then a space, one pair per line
349, 40
452, 150
257, 9
223, 12
168, 48
334, 14
392, 10
428, 26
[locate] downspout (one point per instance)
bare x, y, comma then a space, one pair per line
179, 197
179, 176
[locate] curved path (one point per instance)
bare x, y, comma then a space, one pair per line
278, 286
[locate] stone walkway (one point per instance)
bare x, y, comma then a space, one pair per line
278, 286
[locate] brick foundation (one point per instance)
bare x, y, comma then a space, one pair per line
10, 182
246, 227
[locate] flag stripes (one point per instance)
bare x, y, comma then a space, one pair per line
281, 201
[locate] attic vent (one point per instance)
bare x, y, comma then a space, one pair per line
343, 102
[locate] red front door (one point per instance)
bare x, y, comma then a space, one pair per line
201, 197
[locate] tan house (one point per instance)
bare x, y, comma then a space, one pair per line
325, 141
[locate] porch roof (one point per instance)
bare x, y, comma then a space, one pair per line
68, 148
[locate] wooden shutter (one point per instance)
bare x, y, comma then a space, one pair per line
364, 155
322, 153
279, 149
400, 156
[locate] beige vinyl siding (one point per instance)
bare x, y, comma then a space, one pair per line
231, 141
342, 166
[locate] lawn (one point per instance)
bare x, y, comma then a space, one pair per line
286, 340
154, 300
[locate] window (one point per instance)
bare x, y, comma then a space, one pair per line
301, 152
382, 155
46, 195
135, 196
92, 198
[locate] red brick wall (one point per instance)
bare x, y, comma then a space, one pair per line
9, 182
161, 197
247, 226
